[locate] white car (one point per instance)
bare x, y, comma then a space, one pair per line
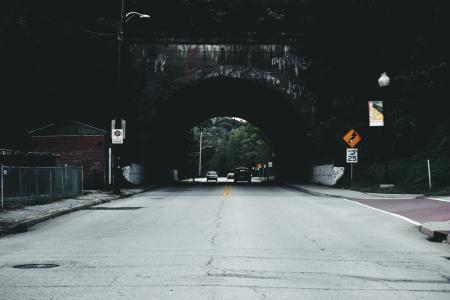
230, 176
211, 175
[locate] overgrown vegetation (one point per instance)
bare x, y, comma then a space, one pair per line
228, 143
409, 173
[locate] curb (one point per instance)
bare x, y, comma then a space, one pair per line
437, 231
23, 225
318, 194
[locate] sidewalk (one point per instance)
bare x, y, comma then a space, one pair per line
325, 191
18, 220
431, 214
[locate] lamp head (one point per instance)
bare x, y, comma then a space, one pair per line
383, 80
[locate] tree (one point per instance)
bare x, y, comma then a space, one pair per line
232, 143
246, 146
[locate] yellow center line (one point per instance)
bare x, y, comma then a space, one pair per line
226, 191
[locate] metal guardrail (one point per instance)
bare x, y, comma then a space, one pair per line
29, 185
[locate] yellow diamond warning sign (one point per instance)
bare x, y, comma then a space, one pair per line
352, 138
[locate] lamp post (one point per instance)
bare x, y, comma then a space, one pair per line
124, 18
200, 153
200, 160
384, 82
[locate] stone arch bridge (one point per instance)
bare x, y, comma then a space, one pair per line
183, 84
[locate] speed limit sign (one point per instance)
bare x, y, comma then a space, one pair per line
352, 155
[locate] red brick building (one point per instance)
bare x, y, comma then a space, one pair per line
77, 144
19, 158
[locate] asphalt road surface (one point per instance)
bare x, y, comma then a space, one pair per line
225, 241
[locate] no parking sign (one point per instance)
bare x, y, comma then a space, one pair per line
117, 136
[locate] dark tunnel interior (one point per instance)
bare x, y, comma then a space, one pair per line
265, 107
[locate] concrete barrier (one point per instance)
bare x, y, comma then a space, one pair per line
437, 231
134, 173
327, 174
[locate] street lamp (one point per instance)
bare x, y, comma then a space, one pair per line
124, 18
200, 153
131, 14
384, 81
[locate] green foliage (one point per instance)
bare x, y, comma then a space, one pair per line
410, 173
229, 143
246, 146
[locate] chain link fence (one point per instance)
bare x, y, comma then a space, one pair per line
35, 185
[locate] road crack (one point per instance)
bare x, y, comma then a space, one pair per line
213, 239
210, 261
254, 289
217, 224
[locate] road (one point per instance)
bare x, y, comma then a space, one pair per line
222, 180
225, 241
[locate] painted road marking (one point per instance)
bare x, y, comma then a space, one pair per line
226, 191
386, 212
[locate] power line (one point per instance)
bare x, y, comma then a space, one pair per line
89, 31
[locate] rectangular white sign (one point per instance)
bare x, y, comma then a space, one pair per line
352, 155
376, 116
117, 136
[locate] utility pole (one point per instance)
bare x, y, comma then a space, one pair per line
115, 148
117, 138
384, 82
119, 106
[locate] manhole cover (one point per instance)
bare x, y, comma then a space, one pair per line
117, 208
36, 266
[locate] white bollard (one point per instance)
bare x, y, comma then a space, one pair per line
429, 174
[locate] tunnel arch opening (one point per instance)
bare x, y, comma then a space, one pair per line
274, 112
222, 144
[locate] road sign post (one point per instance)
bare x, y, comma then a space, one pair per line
352, 158
352, 138
351, 172
352, 155
117, 138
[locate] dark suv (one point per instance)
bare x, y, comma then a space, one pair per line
242, 174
